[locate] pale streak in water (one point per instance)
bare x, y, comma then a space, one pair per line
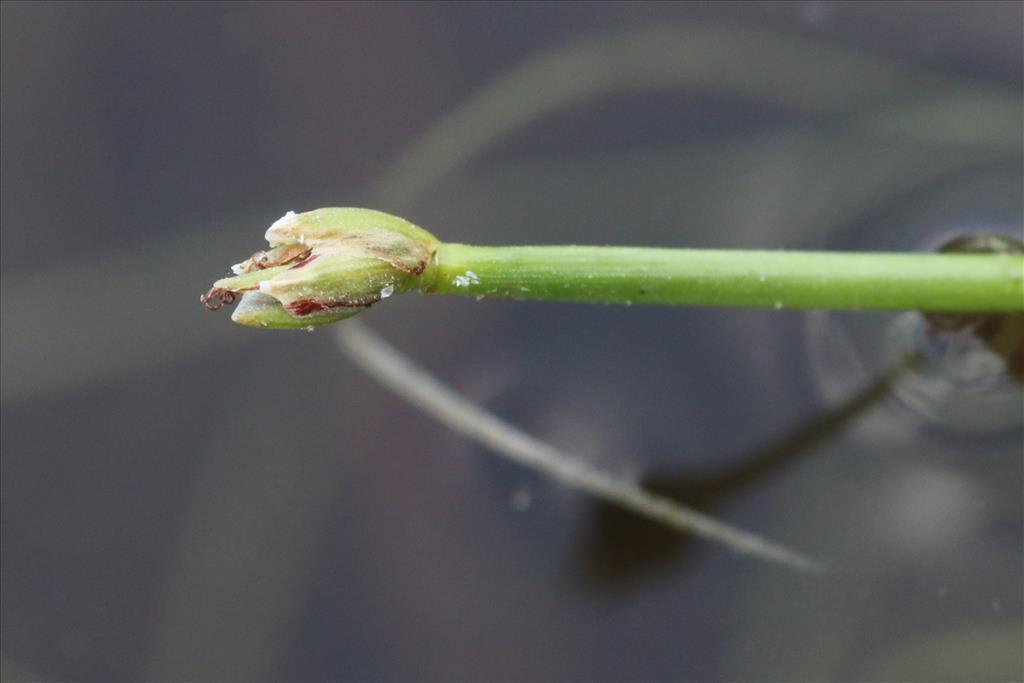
396, 371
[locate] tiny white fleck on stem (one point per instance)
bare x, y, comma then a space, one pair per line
469, 278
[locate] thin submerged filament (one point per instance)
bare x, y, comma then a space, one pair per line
394, 370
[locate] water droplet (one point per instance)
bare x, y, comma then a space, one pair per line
628, 302
309, 328
778, 305
479, 297
387, 291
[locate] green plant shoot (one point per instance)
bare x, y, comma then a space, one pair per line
329, 264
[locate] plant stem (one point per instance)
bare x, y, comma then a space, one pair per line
709, 277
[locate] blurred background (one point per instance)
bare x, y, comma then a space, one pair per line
186, 499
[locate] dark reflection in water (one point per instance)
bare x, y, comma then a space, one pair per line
621, 547
1003, 335
960, 335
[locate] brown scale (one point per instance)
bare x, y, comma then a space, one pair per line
217, 297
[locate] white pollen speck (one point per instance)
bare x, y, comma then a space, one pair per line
286, 218
387, 291
778, 305
470, 278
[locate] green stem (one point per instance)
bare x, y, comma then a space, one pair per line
699, 277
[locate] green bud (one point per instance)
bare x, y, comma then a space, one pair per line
324, 266
259, 310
